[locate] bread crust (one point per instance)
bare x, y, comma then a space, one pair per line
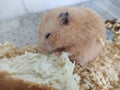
7, 82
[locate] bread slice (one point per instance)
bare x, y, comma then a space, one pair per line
33, 71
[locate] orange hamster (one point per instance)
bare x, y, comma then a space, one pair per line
73, 30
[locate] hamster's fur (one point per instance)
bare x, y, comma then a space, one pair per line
73, 30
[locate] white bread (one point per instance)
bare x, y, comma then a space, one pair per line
32, 71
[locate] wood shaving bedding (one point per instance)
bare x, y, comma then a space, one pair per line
104, 72
10, 50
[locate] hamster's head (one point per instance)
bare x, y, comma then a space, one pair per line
55, 30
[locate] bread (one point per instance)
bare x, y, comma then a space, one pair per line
33, 71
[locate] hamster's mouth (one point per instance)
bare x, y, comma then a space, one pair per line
58, 51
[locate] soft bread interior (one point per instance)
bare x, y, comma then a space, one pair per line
50, 70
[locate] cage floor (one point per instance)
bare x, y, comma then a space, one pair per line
21, 30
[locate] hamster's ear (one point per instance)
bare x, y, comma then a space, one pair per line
64, 18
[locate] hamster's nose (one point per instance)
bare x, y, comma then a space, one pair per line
45, 47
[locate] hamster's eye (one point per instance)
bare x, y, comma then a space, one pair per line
64, 18
47, 35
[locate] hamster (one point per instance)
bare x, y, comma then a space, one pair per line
73, 30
